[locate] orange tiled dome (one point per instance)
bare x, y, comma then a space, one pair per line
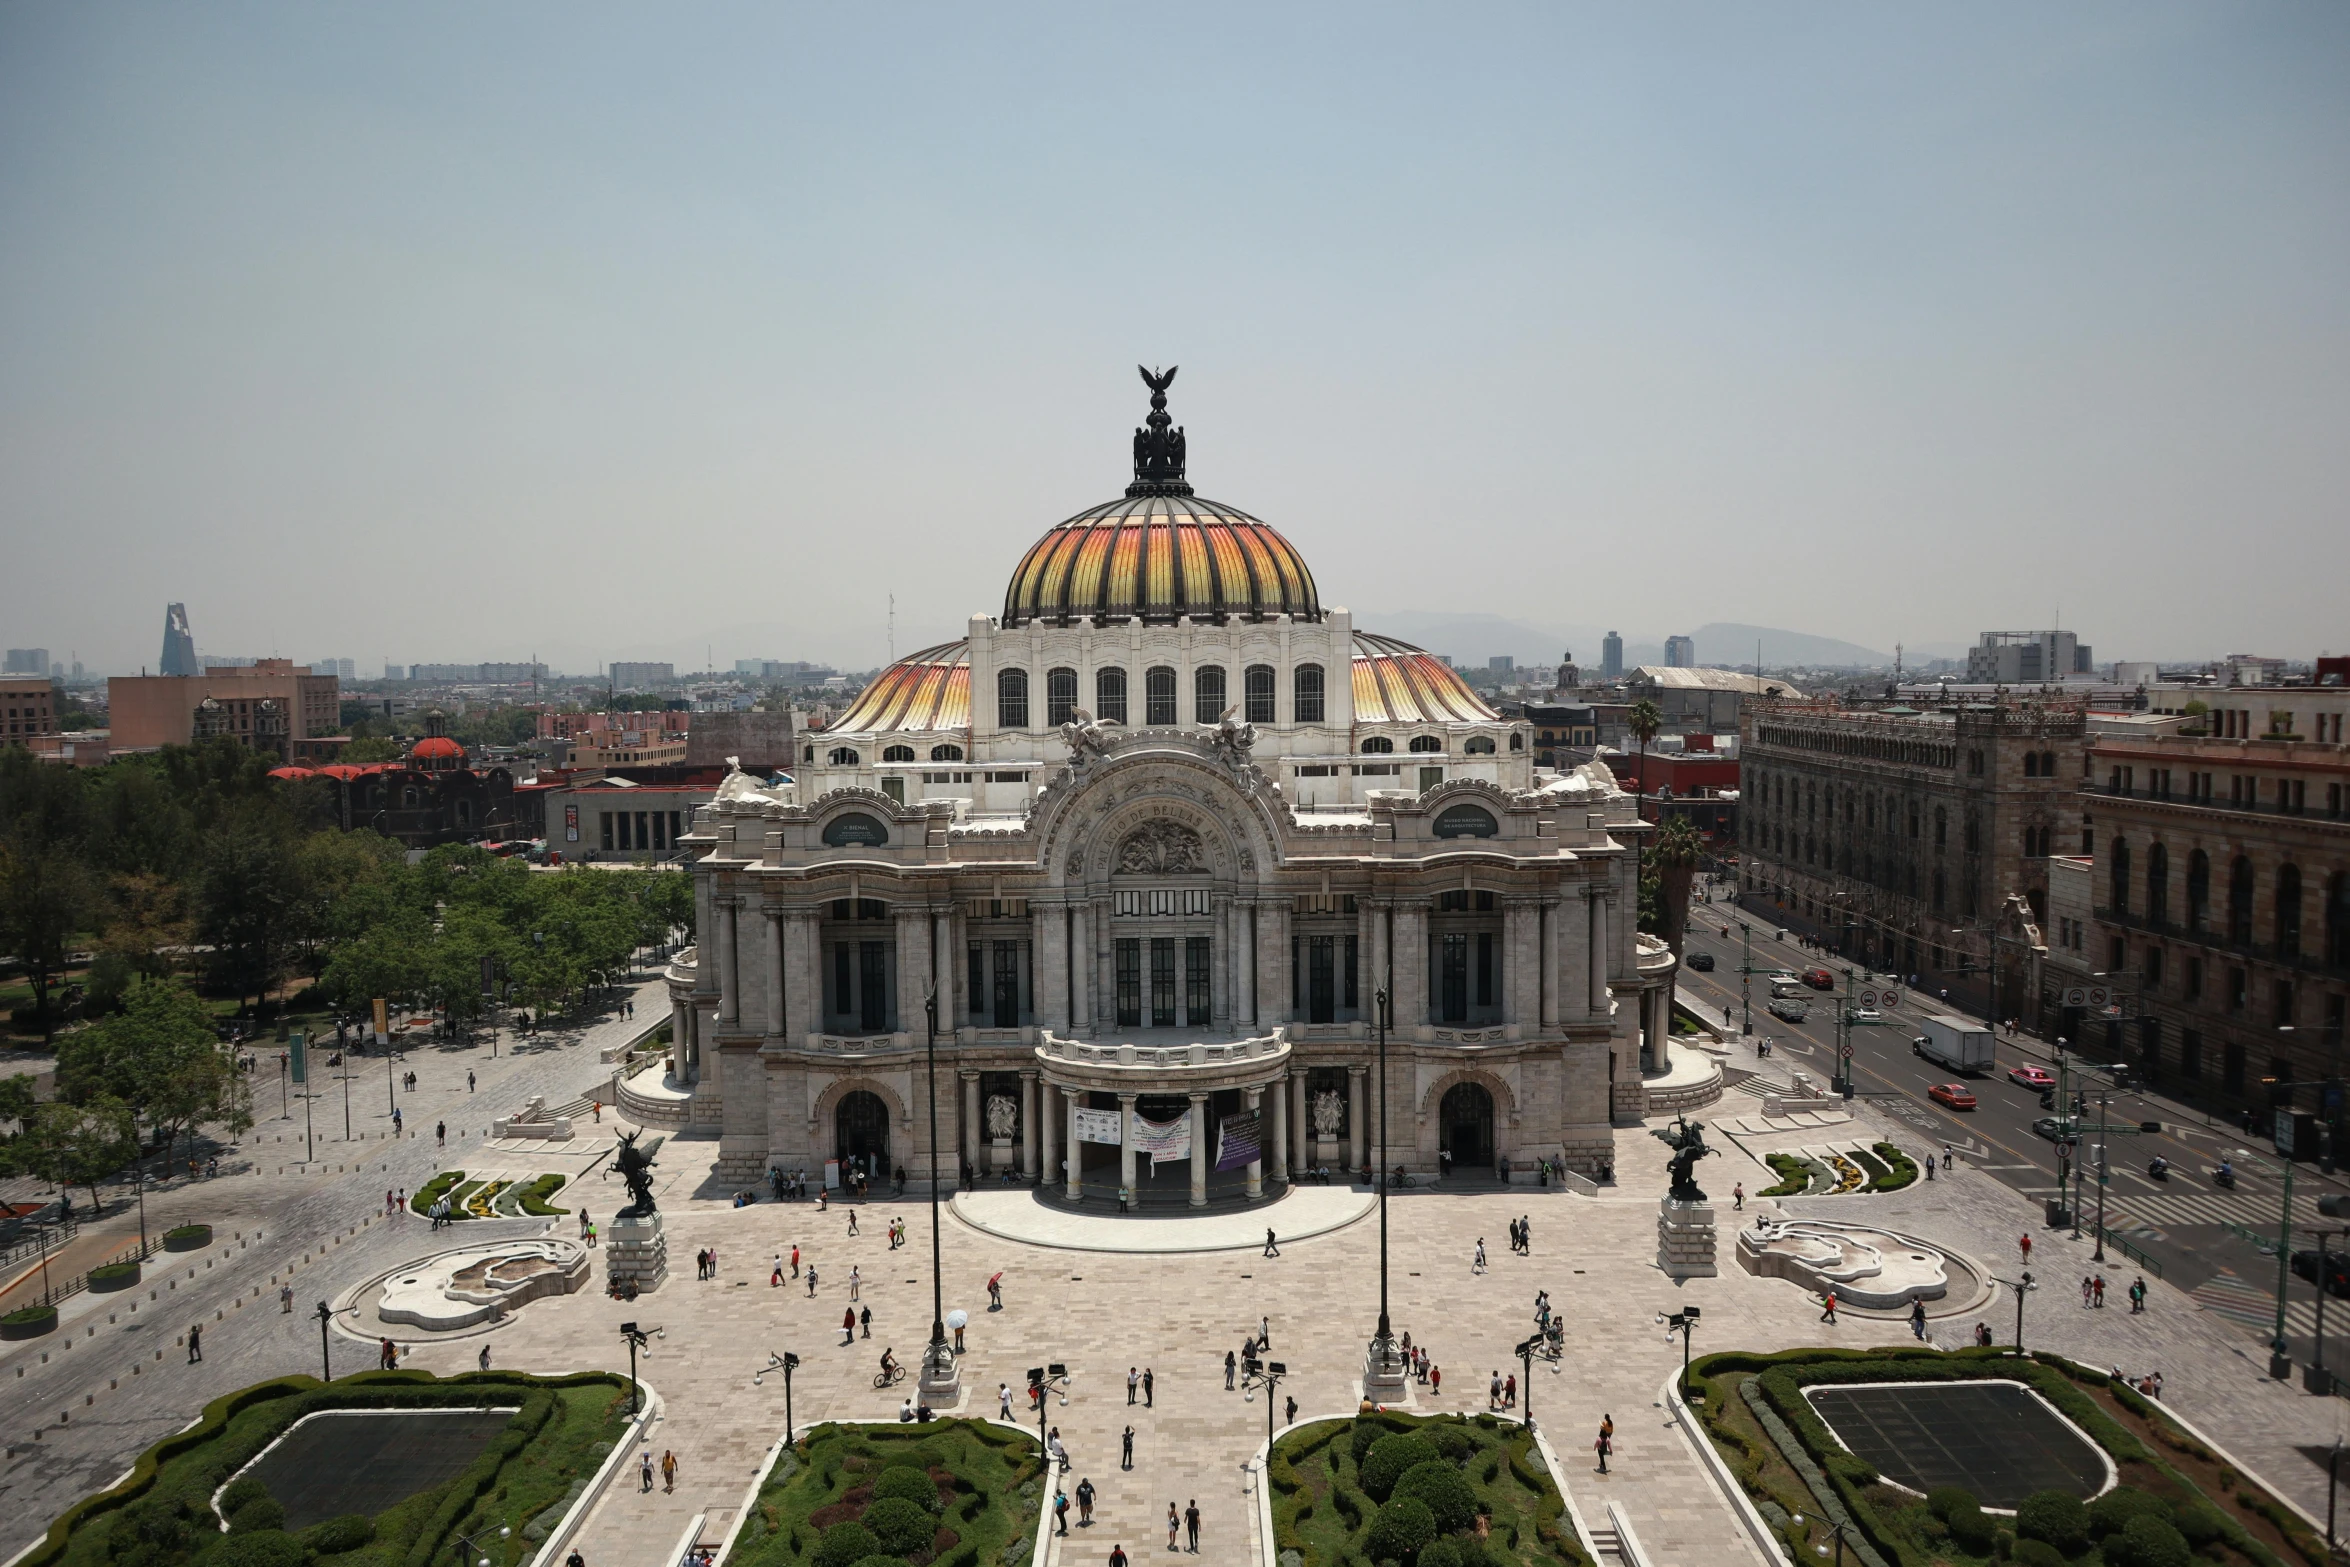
1155, 557
437, 748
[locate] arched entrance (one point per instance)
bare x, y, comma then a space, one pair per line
861, 1127
1464, 1126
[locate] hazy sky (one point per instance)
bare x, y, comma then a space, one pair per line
454, 332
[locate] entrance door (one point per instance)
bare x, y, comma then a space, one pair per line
1321, 979
1129, 998
861, 1132
1195, 981
1465, 1125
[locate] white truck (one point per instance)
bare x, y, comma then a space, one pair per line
1955, 1042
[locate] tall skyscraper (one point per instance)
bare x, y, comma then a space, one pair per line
1611, 656
27, 661
179, 643
1680, 652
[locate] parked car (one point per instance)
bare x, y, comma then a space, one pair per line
1792, 1009
1955, 1096
1819, 979
2028, 1076
2337, 1269
1703, 962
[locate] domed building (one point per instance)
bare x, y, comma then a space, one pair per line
1155, 840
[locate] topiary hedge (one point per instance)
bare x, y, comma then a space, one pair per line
187, 1237
1900, 1169
113, 1276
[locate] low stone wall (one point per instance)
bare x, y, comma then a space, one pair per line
653, 1098
1683, 1098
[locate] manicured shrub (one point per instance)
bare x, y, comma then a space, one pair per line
1365, 1432
1442, 1553
1403, 1529
2200, 1522
337, 1535
263, 1512
1943, 1498
1439, 1486
907, 1484
2112, 1512
238, 1492
2148, 1541
262, 1548
1452, 1440
846, 1544
2037, 1553
1390, 1458
901, 1526
1972, 1528
883, 1561
2055, 1518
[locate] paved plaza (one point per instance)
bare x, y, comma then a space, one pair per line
1097, 1310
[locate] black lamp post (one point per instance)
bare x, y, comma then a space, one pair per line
482, 1557
1040, 1381
1384, 1354
1267, 1375
1683, 1322
939, 1370
1525, 1352
638, 1338
787, 1363
326, 1358
2022, 1287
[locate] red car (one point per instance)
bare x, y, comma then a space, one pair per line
1953, 1095
1819, 979
2032, 1077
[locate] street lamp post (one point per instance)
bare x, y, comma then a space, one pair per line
1526, 1348
941, 1373
482, 1557
2022, 1286
787, 1363
1385, 1370
1266, 1374
638, 1338
1683, 1322
326, 1356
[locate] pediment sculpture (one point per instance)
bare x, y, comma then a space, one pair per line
1162, 848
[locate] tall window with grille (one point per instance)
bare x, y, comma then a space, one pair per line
1162, 982
1060, 695
1258, 682
1011, 699
1207, 691
1128, 977
1306, 704
1158, 696
1195, 981
1109, 695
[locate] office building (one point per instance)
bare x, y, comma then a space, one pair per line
273, 705
1680, 652
638, 676
179, 644
2013, 658
1611, 656
27, 661
1701, 701
29, 707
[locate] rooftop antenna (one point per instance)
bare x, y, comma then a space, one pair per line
893, 628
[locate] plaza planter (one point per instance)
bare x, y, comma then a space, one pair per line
113, 1276
31, 1322
188, 1237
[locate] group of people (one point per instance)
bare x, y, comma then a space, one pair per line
2093, 1293
706, 1263
1423, 1369
1522, 1236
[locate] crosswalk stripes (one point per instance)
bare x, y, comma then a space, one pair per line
2255, 1306
2252, 1211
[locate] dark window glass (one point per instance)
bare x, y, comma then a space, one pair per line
873, 985
1109, 695
1257, 679
1453, 978
1485, 968
1195, 981
1158, 696
2240, 902
1060, 695
1129, 982
1321, 979
1307, 682
1162, 982
1207, 689
2289, 911
844, 977
975, 982
1011, 699
1007, 984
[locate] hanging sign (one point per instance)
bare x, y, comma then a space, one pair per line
1164, 1139
570, 824
1095, 1126
298, 1055
1237, 1143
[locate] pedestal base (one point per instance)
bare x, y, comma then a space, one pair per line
1387, 1382
941, 1383
1685, 1239
636, 1252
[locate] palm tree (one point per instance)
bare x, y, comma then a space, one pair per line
1644, 721
1676, 854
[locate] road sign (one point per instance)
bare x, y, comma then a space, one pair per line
1892, 999
1868, 999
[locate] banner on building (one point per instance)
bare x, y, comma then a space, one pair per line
1238, 1141
383, 1026
570, 823
1164, 1139
1095, 1126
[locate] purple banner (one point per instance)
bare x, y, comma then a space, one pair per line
1238, 1141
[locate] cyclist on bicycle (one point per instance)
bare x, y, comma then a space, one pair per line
889, 1367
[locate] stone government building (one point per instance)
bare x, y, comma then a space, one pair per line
1153, 840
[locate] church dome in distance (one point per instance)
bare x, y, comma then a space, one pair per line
437, 751
1160, 551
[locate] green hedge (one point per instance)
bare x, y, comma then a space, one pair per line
434, 1190
825, 1501
1794, 1175
1900, 1170
535, 1195
1327, 1478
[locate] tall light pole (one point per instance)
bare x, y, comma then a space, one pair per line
2022, 1286
941, 1374
326, 1355
1386, 1364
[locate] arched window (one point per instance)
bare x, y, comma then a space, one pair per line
2338, 919
946, 753
1306, 682
2118, 899
1378, 745
2048, 764
1257, 684
1109, 694
1517, 740
2240, 901
2288, 911
1011, 699
2158, 886
1060, 695
1207, 693
465, 813
2031, 764
842, 756
1479, 745
1425, 743
1158, 696
2198, 889
408, 797
898, 753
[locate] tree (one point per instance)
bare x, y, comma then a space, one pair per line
47, 896
162, 1055
17, 1100
82, 1144
1675, 854
249, 887
1644, 721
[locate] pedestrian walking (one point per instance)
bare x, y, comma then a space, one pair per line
1264, 1333
848, 1326
2026, 1243
1931, 1161
1003, 1400
1147, 1380
1060, 1511
285, 1299
1947, 1157
2085, 1292
1601, 1444
1917, 1319
1230, 1362
995, 1292
1526, 1234
469, 1082
644, 1470
795, 1262
1738, 1195
1084, 1504
2097, 1291
1191, 1523
1118, 1556
852, 1221
1271, 1248
811, 1281
195, 1343
598, 1106
1509, 1391
668, 1470
484, 1358
440, 1134
1493, 1390
1126, 1449
2137, 1295
1174, 1525
1289, 1414
1828, 1313
865, 1320
1435, 1380
775, 1278
1478, 1266
1133, 1384
856, 1282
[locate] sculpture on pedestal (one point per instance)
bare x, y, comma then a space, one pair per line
636, 1168
1687, 1140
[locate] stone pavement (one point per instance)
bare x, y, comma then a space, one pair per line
1022, 1216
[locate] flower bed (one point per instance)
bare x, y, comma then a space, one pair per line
113, 1276
28, 1322
533, 1200
1794, 1175
1850, 1177
434, 1190
1447, 1491
161, 1514
1804, 1480
1900, 1169
953, 1492
481, 1203
188, 1237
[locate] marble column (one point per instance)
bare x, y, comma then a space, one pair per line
1050, 927
1273, 1107
1076, 1149
706, 942
1300, 1156
1518, 971
1358, 1114
680, 1056
803, 989
1126, 1142
1547, 933
1028, 1164
729, 986
973, 1129
1078, 926
776, 990
1273, 987
1599, 997
1048, 1126
1201, 1151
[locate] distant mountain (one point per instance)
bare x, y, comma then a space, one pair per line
1720, 643
1476, 639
